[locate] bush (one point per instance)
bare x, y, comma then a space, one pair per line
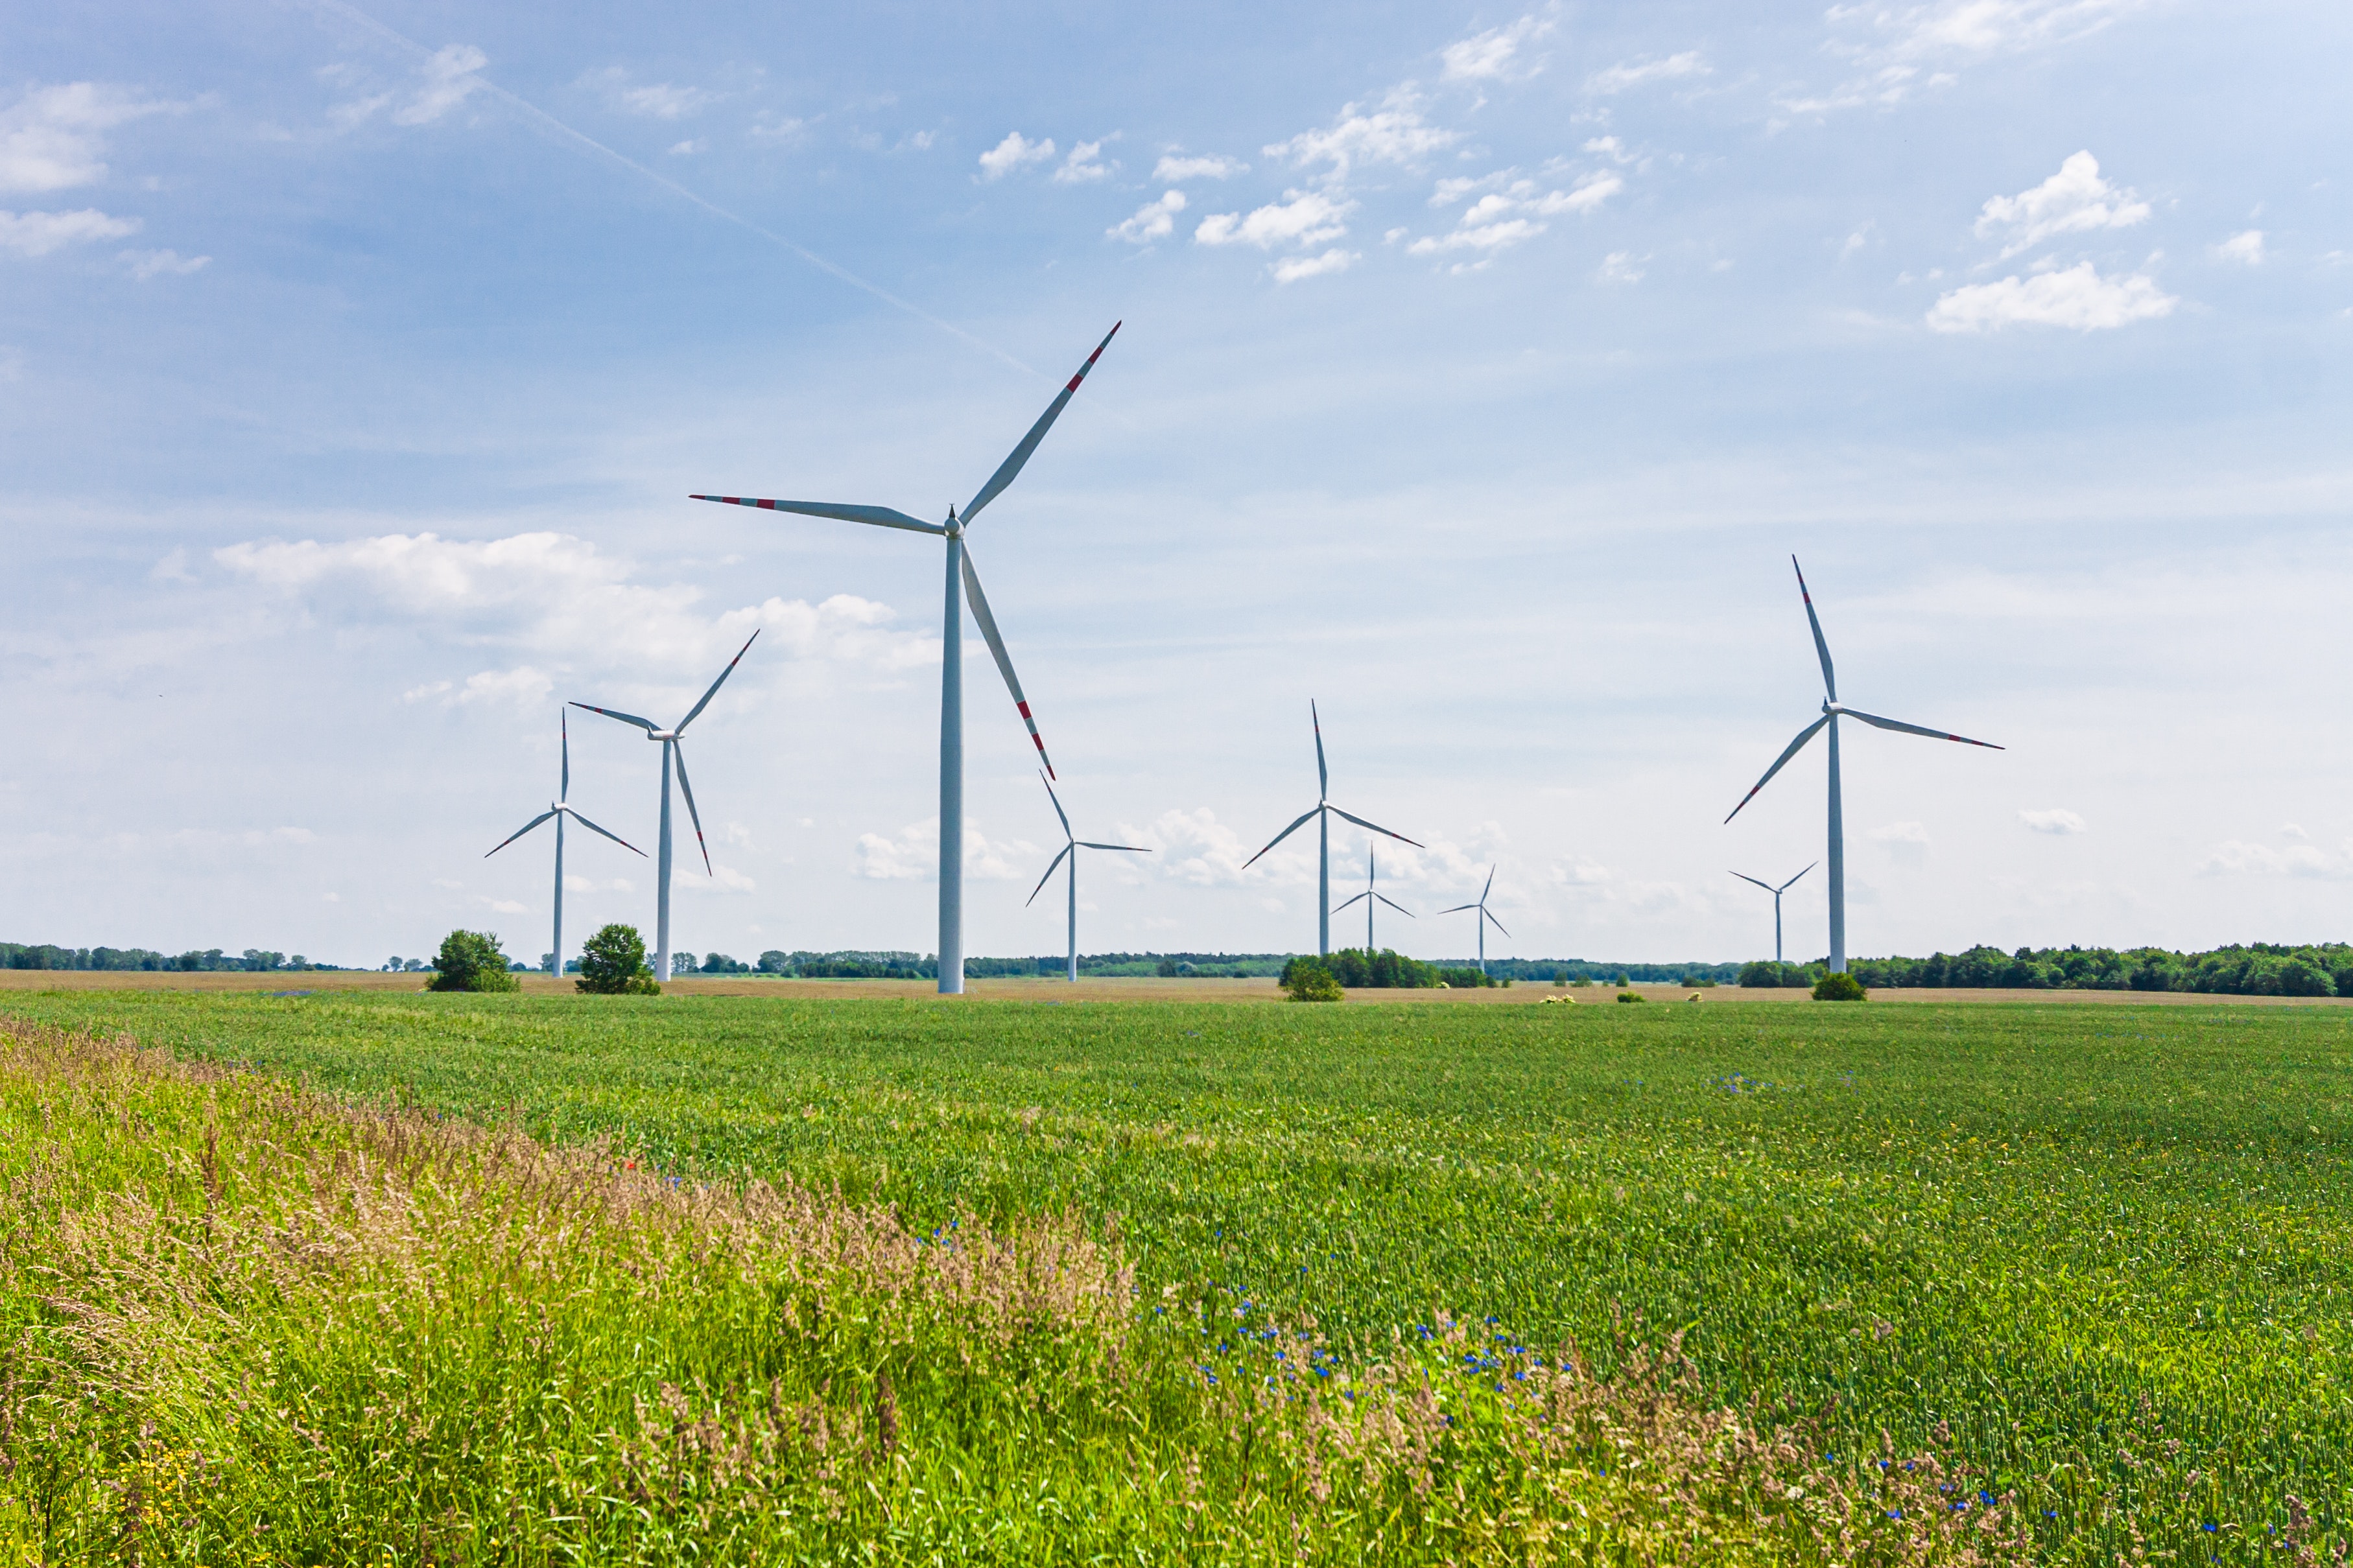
1632, 996
1463, 979
470, 961
1308, 981
1839, 986
613, 964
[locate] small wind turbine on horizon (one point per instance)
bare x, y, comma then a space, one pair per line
559, 810
1831, 710
1777, 893
1369, 897
1324, 812
1070, 848
1485, 915
673, 754
959, 570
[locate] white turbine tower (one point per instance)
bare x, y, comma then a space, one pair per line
1831, 710
1485, 915
1324, 812
1777, 893
559, 811
959, 569
674, 753
1369, 897
1070, 850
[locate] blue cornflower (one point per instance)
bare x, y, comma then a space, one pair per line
2209, 1528
1895, 1514
1986, 1497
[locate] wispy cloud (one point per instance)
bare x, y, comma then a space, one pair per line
1293, 269
2246, 249
1505, 218
2057, 820
2077, 297
1395, 134
1153, 220
53, 138
653, 101
38, 234
452, 74
1176, 167
1628, 73
1083, 166
1302, 217
1013, 152
2075, 200
1496, 53
146, 264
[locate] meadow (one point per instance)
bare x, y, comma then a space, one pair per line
404, 1278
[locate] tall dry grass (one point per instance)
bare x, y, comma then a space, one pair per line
242, 1323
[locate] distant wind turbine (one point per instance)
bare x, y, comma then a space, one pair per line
1324, 812
1070, 850
950, 957
1777, 893
674, 753
1485, 916
559, 811
1831, 710
1369, 897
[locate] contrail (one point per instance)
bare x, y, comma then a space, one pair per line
548, 122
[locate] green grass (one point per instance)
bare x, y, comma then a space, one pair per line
2108, 1251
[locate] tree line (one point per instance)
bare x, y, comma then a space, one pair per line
2242, 969
211, 960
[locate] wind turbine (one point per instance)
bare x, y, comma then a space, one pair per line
1777, 893
559, 811
1485, 915
951, 959
1372, 874
1072, 849
1831, 711
1324, 812
673, 752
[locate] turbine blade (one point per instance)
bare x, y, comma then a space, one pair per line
880, 516
564, 723
518, 833
1134, 848
1767, 886
1041, 881
715, 685
645, 724
987, 623
614, 837
1830, 676
1458, 909
1792, 881
1397, 907
1489, 888
686, 789
1491, 916
1344, 903
1058, 804
1281, 836
1007, 469
1323, 774
1804, 735
1379, 828
1915, 730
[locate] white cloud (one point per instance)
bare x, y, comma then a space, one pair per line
1504, 218
784, 128
1154, 220
1494, 54
1192, 846
914, 854
1083, 166
1302, 217
2077, 297
451, 75
38, 234
1610, 148
654, 101
1905, 842
2058, 819
1395, 134
1291, 269
146, 264
2073, 201
53, 138
1979, 28
1175, 167
721, 878
1012, 152
2235, 857
2244, 248
687, 148
1620, 267
1630, 74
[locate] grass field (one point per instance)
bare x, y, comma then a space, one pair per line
2101, 1257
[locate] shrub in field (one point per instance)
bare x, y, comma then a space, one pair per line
1307, 981
613, 964
470, 961
1631, 996
1838, 986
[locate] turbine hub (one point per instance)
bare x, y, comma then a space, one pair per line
661, 734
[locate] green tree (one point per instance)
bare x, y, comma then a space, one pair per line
613, 963
1308, 981
470, 961
1839, 986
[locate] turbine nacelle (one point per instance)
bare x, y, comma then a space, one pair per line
661, 734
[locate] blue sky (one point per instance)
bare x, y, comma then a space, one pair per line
1482, 370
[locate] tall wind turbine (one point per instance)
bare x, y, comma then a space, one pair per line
1777, 893
952, 653
1324, 812
1070, 850
559, 811
1372, 875
1485, 916
1831, 710
673, 754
